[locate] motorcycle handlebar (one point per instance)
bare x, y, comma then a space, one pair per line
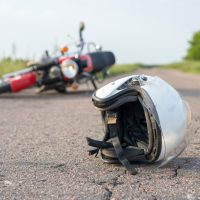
81, 28
46, 65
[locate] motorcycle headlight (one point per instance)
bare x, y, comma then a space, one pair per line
69, 68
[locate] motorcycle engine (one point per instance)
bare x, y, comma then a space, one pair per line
55, 72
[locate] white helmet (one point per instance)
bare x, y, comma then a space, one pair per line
145, 120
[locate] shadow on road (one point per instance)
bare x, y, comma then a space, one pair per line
48, 95
189, 92
186, 163
80, 93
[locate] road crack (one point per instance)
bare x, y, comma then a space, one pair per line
109, 185
175, 171
107, 194
61, 167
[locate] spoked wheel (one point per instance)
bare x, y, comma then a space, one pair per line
61, 89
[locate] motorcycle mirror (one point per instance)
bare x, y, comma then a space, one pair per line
81, 26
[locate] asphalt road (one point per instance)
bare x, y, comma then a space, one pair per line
43, 151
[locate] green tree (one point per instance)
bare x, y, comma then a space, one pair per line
193, 52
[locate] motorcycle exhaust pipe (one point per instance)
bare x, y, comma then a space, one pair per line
18, 83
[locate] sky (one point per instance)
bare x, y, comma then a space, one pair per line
137, 31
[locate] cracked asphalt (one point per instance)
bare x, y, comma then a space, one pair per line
43, 151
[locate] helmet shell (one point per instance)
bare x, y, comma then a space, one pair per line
167, 107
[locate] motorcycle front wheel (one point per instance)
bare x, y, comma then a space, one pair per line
61, 89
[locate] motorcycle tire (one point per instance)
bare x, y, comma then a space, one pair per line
61, 90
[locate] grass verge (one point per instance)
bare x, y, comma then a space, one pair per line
8, 65
124, 69
185, 66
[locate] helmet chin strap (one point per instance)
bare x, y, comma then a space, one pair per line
112, 126
114, 141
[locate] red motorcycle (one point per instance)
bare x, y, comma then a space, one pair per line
61, 72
